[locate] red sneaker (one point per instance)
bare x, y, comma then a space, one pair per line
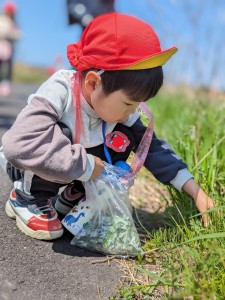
37, 219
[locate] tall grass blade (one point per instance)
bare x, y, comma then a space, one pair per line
206, 236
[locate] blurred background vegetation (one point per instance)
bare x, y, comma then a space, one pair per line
195, 27
24, 73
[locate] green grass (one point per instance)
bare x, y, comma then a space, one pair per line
191, 257
29, 74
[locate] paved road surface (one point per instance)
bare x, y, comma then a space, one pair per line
32, 269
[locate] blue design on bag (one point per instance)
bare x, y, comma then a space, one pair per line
69, 219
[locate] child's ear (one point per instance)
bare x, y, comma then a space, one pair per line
91, 80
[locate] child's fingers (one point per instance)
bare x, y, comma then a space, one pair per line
206, 220
98, 168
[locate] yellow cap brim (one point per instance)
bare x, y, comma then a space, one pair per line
153, 61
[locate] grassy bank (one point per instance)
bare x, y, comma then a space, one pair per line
184, 260
29, 74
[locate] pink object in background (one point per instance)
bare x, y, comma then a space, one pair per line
5, 50
5, 88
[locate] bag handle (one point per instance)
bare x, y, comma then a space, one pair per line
142, 150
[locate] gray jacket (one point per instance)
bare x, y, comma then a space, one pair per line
36, 143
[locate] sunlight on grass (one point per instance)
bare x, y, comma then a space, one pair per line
191, 257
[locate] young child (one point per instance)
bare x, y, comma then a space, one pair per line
59, 138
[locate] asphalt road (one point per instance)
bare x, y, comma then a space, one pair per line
33, 269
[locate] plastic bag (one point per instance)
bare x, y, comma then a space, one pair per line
102, 221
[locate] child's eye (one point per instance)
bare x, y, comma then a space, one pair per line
128, 104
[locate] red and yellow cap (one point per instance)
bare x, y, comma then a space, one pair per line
117, 41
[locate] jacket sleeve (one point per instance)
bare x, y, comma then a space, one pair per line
161, 159
35, 142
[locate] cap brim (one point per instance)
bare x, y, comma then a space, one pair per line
153, 61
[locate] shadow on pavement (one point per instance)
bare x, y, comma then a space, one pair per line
150, 221
63, 246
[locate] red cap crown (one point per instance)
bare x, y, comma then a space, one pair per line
118, 42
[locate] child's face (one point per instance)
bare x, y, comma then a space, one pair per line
113, 108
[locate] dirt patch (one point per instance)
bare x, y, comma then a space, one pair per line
149, 198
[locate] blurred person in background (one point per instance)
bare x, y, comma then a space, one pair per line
84, 11
9, 33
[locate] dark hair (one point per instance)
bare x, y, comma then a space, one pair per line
138, 85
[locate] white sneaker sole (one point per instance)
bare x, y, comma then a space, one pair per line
38, 234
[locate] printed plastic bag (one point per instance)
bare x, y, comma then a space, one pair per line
102, 221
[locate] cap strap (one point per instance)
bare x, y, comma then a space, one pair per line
100, 72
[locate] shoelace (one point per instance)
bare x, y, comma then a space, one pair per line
42, 206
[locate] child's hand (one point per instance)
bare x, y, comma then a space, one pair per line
98, 168
202, 201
